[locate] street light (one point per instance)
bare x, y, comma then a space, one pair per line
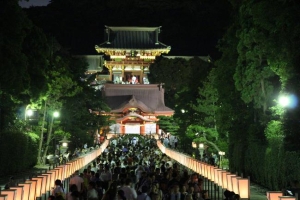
64, 142
63, 147
194, 145
201, 149
28, 113
288, 101
221, 154
55, 114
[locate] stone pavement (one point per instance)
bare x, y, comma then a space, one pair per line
257, 192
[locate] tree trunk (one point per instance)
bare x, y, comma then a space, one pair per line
39, 159
48, 138
262, 83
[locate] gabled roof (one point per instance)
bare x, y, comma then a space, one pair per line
132, 102
149, 98
134, 38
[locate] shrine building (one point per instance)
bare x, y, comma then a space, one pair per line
135, 103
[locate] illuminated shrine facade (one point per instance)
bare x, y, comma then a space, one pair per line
135, 107
131, 50
135, 103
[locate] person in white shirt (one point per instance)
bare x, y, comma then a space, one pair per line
58, 190
129, 192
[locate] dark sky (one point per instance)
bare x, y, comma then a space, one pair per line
194, 31
27, 4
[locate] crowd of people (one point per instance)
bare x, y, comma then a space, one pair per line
132, 168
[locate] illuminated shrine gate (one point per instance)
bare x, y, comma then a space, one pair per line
135, 108
131, 51
135, 103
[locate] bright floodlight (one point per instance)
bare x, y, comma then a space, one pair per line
55, 114
284, 101
289, 101
29, 112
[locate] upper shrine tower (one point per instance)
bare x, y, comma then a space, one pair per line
131, 50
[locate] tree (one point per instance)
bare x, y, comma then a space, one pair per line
78, 119
168, 124
60, 86
207, 106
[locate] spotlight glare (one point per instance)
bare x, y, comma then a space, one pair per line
284, 101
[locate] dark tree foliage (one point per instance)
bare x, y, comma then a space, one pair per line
260, 61
23, 55
181, 78
168, 124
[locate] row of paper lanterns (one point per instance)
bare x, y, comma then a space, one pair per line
41, 184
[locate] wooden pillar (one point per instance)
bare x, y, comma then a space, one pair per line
142, 74
123, 78
157, 128
123, 129
142, 128
110, 73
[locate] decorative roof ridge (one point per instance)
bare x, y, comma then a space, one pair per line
132, 28
168, 47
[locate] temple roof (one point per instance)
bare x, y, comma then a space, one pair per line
149, 98
134, 38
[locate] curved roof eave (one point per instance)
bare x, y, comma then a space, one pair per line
135, 115
102, 49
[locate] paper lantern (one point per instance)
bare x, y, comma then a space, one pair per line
220, 177
224, 179
273, 195
234, 182
229, 182
11, 194
19, 192
44, 183
244, 188
48, 181
217, 170
32, 193
38, 190
3, 197
208, 167
60, 172
26, 190
212, 173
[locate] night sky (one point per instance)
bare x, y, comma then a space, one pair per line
79, 25
27, 4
